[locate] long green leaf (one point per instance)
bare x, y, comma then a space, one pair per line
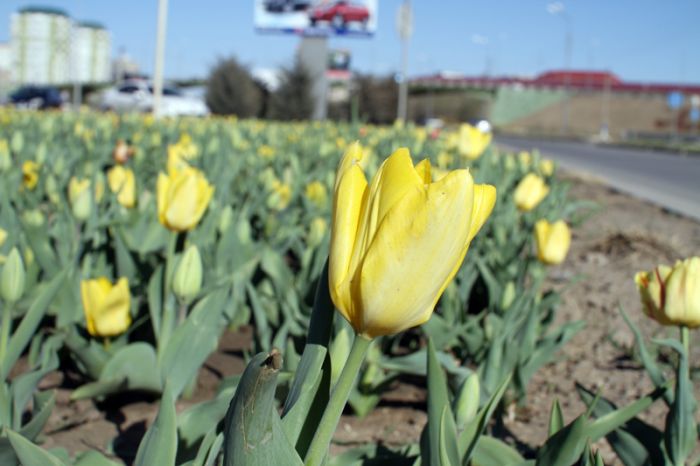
159, 445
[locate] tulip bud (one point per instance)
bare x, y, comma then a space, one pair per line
317, 230
508, 295
530, 192
188, 277
3, 236
467, 401
33, 218
5, 159
553, 241
225, 219
12, 278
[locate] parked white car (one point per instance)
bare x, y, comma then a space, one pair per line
137, 96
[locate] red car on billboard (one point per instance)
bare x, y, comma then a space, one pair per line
339, 14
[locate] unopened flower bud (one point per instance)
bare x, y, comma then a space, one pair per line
12, 277
188, 277
467, 401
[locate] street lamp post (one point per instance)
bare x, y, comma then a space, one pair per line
557, 8
404, 24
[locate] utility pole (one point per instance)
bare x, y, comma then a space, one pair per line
160, 57
557, 9
404, 25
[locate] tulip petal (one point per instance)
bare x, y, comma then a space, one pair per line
393, 180
114, 317
423, 171
351, 188
417, 250
484, 201
162, 189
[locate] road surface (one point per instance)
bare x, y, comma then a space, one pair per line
667, 179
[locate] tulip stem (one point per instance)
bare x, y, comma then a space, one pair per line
685, 340
168, 318
5, 330
339, 397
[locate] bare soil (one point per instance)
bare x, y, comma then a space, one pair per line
624, 236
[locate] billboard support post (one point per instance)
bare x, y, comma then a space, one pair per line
160, 57
313, 55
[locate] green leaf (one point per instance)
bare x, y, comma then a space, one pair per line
448, 438
133, 367
648, 361
635, 442
126, 267
195, 422
438, 402
310, 389
41, 410
469, 437
556, 418
159, 445
602, 426
565, 447
253, 431
30, 322
192, 342
491, 451
30, 454
681, 433
93, 458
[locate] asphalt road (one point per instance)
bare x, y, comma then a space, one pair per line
667, 179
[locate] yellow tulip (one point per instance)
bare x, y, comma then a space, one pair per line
106, 306
122, 183
79, 196
182, 197
671, 296
3, 236
316, 193
317, 230
30, 174
546, 167
266, 152
525, 159
553, 241
530, 192
398, 242
280, 195
472, 141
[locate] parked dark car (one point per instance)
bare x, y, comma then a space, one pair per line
281, 6
37, 97
339, 14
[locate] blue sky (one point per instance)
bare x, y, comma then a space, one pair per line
640, 40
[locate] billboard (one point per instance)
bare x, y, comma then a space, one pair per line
317, 17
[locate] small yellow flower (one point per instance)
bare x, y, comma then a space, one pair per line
671, 296
546, 167
317, 230
530, 192
525, 159
397, 243
316, 193
266, 152
444, 160
30, 174
472, 141
280, 195
106, 306
553, 241
122, 183
182, 197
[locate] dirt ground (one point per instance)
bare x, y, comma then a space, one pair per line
624, 236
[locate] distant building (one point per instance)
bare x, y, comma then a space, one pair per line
48, 47
92, 49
